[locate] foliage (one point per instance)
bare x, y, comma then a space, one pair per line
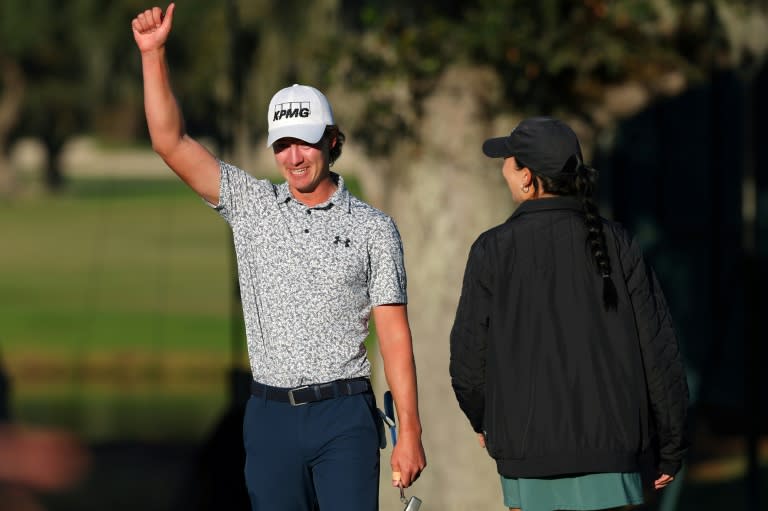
37, 35
552, 55
82, 70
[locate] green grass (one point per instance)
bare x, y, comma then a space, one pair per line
115, 301
116, 309
84, 271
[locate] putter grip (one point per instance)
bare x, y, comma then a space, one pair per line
389, 410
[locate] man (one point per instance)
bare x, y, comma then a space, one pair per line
313, 263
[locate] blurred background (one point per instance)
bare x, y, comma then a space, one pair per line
122, 360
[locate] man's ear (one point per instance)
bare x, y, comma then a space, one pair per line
332, 134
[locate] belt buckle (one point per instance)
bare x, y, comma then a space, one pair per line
292, 400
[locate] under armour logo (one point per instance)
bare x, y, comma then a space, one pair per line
338, 240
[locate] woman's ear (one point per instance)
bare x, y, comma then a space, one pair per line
525, 176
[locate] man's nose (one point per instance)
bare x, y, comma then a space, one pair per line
294, 154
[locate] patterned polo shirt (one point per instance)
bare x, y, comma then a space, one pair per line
309, 277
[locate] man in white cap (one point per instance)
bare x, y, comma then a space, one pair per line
314, 262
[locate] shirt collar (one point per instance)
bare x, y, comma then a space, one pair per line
547, 204
340, 197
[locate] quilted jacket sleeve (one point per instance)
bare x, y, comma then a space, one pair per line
665, 375
469, 338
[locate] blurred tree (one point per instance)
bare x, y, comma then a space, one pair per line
275, 43
200, 60
38, 43
70, 67
552, 56
14, 44
11, 97
432, 82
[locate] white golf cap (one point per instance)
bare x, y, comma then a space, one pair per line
299, 111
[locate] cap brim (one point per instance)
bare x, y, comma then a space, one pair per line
311, 133
496, 147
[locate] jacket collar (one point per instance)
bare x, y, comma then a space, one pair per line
547, 204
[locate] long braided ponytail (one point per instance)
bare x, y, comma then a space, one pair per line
586, 180
580, 180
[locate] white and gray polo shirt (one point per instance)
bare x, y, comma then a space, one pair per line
309, 277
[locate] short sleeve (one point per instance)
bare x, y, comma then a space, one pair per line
387, 279
240, 192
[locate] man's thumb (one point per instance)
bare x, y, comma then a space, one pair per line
168, 17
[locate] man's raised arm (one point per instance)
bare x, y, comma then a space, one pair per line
192, 162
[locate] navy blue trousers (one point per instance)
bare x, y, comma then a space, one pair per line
318, 456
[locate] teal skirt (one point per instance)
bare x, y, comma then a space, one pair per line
584, 492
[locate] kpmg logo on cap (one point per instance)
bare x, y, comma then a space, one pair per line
291, 110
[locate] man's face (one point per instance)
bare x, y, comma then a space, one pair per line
302, 164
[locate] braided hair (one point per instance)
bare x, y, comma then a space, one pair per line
577, 179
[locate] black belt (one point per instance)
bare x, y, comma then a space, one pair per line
310, 393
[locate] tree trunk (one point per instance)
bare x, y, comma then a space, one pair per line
10, 108
54, 178
444, 194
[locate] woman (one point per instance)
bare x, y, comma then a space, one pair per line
563, 355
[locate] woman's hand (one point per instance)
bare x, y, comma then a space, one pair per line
662, 481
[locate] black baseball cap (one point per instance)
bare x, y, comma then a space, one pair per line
543, 144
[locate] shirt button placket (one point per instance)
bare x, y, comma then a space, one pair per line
309, 212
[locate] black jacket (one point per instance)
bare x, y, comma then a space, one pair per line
558, 384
